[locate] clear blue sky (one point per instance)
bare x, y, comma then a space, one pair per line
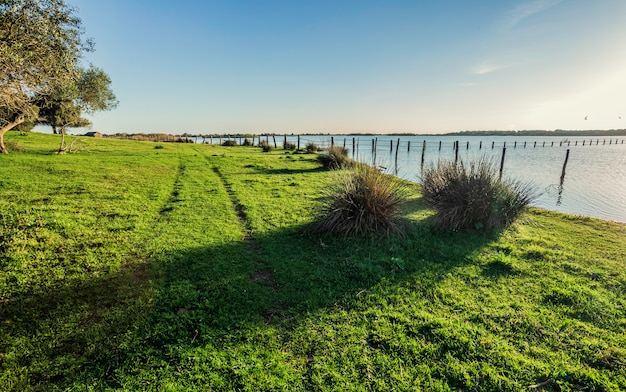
205, 66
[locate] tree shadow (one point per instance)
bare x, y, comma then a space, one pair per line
50, 335
202, 295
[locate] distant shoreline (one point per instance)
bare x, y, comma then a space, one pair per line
558, 132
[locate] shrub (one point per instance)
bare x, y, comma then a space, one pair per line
13, 146
473, 195
229, 143
364, 201
311, 147
289, 146
158, 147
265, 145
335, 158
247, 142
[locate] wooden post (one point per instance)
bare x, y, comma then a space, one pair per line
332, 141
544, 144
373, 147
467, 147
408, 147
344, 143
298, 142
390, 146
397, 149
456, 152
353, 150
493, 144
439, 145
423, 153
274, 138
502, 161
564, 165
480, 146
515, 144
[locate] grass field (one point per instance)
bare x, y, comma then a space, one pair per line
166, 267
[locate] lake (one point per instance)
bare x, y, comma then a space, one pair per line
595, 177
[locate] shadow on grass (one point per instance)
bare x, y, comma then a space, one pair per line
48, 337
217, 294
206, 295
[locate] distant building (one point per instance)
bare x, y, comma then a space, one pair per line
93, 134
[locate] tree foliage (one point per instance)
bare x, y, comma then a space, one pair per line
40, 48
66, 105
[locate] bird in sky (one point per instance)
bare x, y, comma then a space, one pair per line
586, 117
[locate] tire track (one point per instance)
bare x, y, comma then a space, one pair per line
262, 274
240, 209
178, 185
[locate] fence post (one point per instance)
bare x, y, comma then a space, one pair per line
423, 153
564, 165
502, 161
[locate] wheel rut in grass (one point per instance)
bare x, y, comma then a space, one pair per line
262, 274
240, 209
173, 197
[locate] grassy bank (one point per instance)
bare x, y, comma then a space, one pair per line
187, 267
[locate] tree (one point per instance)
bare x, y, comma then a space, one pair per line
65, 106
40, 47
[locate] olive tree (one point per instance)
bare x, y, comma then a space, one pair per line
66, 105
40, 47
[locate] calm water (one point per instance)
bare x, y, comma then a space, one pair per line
594, 183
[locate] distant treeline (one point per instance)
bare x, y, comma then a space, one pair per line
557, 132
187, 137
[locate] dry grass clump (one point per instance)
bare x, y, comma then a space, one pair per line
311, 147
265, 146
473, 195
335, 158
364, 201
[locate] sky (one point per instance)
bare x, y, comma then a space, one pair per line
344, 66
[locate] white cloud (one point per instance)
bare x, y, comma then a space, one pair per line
526, 10
487, 67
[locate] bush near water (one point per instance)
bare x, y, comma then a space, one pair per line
473, 195
125, 267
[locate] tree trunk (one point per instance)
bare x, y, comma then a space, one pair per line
62, 147
6, 128
54, 130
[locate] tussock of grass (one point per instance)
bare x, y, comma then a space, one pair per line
265, 146
363, 201
473, 196
335, 158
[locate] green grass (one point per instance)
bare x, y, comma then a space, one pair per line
125, 267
